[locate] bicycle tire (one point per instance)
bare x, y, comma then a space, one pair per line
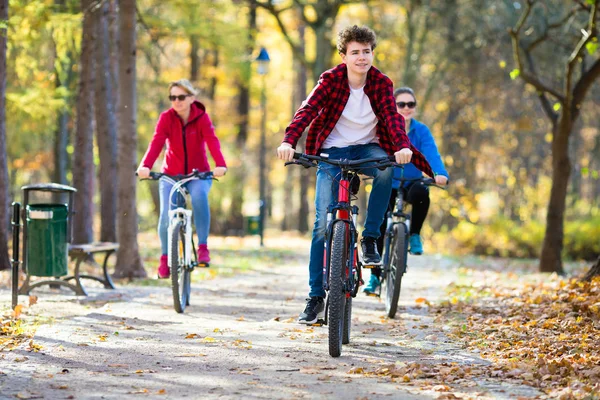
395, 269
347, 321
180, 274
337, 297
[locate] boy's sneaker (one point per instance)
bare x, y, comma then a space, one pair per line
203, 254
163, 268
369, 251
373, 285
416, 245
315, 310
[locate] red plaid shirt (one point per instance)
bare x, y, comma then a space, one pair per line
327, 101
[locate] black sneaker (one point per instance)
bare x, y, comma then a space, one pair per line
370, 255
315, 307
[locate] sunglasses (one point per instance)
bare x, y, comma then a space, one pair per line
181, 97
410, 104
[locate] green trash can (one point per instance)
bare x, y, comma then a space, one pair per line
47, 244
253, 225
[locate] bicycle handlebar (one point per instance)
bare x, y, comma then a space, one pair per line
425, 180
308, 161
154, 176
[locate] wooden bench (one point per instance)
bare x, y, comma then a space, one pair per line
80, 253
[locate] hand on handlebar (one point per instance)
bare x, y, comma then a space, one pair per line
219, 172
403, 156
143, 172
441, 180
285, 152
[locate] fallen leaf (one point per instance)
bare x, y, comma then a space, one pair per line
17, 311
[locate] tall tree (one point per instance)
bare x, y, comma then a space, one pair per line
574, 84
129, 262
64, 75
106, 126
83, 157
238, 175
4, 183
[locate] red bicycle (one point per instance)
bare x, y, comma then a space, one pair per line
342, 275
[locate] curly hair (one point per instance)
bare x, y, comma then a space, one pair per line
363, 35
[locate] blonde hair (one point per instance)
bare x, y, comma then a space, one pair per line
185, 85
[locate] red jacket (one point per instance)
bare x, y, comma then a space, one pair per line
186, 145
327, 101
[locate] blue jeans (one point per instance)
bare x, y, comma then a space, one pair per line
198, 190
326, 192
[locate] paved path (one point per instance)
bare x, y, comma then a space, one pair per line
238, 339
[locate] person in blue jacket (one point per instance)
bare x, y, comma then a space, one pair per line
417, 194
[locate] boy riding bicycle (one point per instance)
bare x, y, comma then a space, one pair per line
353, 116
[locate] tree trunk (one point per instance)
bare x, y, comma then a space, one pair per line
106, 128
83, 158
594, 271
129, 263
4, 183
550, 259
113, 34
235, 222
304, 174
194, 59
61, 139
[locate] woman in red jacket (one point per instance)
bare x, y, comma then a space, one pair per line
187, 131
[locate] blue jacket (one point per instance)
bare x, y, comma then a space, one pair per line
420, 136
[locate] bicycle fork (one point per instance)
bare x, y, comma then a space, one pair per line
184, 216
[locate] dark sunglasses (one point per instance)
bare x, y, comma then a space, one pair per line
181, 97
410, 104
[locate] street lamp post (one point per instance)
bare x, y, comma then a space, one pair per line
263, 68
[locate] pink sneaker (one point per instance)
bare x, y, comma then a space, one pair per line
203, 254
163, 268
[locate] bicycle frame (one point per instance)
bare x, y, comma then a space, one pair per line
341, 212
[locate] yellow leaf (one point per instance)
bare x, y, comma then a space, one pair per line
191, 336
17, 311
32, 300
208, 339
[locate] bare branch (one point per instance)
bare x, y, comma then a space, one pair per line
546, 106
153, 39
526, 76
584, 84
587, 36
296, 50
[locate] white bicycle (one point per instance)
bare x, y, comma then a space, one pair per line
182, 251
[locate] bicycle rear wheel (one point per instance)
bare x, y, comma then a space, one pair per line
180, 273
337, 297
395, 269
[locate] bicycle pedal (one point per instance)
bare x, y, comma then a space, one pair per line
371, 294
371, 265
203, 265
320, 322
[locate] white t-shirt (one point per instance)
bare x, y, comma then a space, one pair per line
357, 124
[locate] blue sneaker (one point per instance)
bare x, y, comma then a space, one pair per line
416, 245
373, 285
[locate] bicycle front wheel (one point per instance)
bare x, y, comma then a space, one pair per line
180, 273
337, 296
395, 269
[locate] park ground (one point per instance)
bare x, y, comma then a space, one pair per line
467, 327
